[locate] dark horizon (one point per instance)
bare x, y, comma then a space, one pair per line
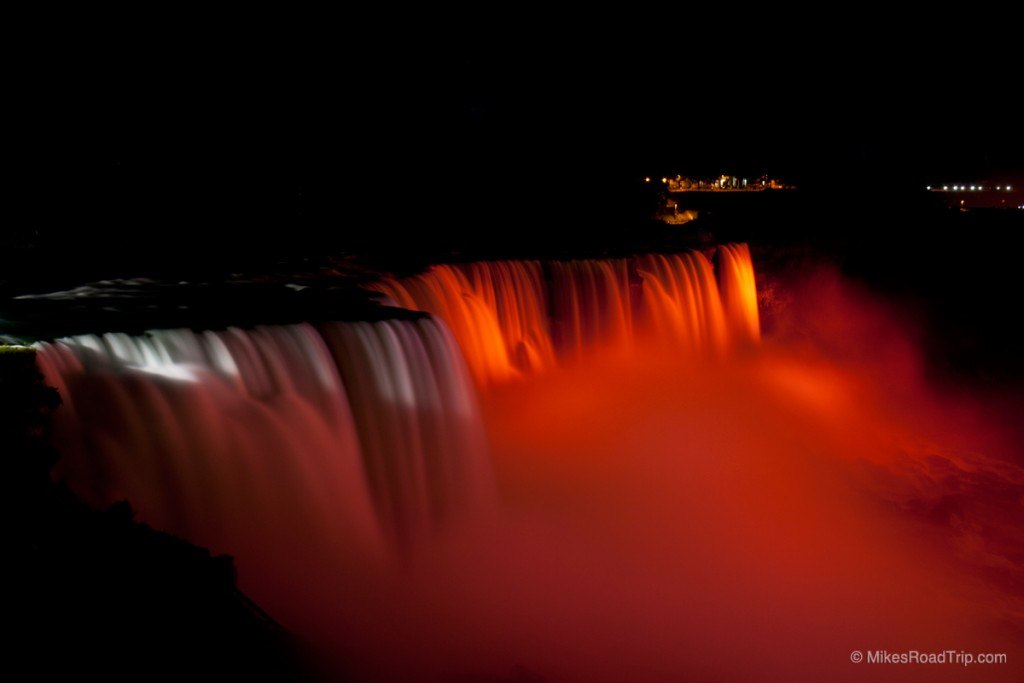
125, 133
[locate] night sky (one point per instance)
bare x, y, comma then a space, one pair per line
208, 134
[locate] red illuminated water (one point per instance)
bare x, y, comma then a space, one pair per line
662, 495
356, 432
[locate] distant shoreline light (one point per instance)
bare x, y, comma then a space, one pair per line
721, 183
968, 188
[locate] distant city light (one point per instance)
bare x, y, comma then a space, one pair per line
945, 187
928, 187
1007, 188
647, 180
973, 188
664, 180
998, 187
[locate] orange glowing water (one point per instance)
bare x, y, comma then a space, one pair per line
513, 318
678, 499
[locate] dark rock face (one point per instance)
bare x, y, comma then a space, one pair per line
95, 593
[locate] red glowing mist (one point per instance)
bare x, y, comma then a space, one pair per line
679, 499
670, 515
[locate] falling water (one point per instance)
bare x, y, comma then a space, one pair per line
739, 292
496, 311
353, 431
512, 317
360, 429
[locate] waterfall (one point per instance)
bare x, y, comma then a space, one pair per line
367, 434
351, 431
513, 318
345, 465
739, 291
496, 311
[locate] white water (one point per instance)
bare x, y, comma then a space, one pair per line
356, 432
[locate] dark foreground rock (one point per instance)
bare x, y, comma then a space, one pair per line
95, 594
